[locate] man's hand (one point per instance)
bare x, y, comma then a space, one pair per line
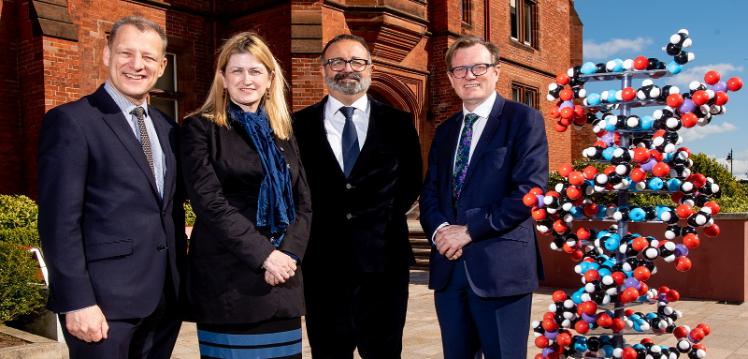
87, 324
450, 239
279, 266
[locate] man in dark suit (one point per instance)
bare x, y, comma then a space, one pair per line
363, 164
484, 263
111, 228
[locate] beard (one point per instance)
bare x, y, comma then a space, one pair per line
348, 87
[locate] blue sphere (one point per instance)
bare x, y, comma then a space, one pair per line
673, 185
655, 183
588, 68
674, 68
593, 99
608, 153
637, 214
646, 122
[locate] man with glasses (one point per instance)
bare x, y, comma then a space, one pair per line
484, 262
363, 166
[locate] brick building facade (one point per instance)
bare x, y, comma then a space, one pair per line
53, 55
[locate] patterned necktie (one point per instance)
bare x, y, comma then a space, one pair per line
349, 141
145, 141
463, 155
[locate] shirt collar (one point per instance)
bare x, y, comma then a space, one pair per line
362, 104
122, 102
484, 109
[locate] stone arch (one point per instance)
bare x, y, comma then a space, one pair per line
393, 91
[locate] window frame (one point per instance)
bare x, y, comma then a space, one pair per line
523, 90
169, 95
523, 22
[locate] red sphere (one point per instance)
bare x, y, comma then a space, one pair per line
705, 328
550, 325
604, 320
696, 334
656, 154
629, 353
530, 200
583, 234
562, 79
643, 288
721, 98
576, 178
691, 241
700, 97
589, 172
591, 275
577, 255
673, 296
563, 339
642, 273
588, 307
567, 113
711, 77
661, 169
628, 94
539, 214
683, 264
560, 227
565, 169
641, 155
712, 231
689, 120
566, 94
536, 190
590, 210
582, 327
618, 277
541, 342
639, 243
674, 100
629, 295
559, 296
680, 331
637, 174
579, 113
618, 325
698, 180
573, 193
640, 63
683, 211
734, 84
714, 206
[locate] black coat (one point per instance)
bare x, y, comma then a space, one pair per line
225, 280
359, 222
107, 235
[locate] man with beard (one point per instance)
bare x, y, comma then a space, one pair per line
363, 164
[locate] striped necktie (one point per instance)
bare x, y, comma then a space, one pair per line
463, 155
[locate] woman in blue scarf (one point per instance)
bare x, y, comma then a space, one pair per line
246, 184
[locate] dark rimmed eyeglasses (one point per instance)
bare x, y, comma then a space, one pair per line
338, 64
459, 72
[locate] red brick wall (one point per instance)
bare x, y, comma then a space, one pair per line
11, 179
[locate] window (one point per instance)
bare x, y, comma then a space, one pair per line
467, 17
524, 21
164, 95
526, 95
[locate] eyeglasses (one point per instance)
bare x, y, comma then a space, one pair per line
460, 72
338, 64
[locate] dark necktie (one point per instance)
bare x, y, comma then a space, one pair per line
349, 141
463, 155
145, 141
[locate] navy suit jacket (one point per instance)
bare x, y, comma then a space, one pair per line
107, 236
510, 158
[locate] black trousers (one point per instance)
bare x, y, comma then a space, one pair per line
364, 311
152, 337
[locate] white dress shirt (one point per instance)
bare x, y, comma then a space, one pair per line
483, 111
335, 121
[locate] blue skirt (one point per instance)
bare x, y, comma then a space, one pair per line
276, 338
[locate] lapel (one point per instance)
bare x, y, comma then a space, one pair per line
163, 130
486, 138
116, 121
448, 155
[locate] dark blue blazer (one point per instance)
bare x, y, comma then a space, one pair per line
107, 236
510, 158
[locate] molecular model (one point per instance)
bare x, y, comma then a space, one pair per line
637, 154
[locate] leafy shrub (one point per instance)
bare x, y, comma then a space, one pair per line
27, 236
189, 214
17, 212
21, 291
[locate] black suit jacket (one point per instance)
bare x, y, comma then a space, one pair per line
359, 222
225, 280
106, 234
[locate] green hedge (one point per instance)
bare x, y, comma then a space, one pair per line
189, 214
22, 290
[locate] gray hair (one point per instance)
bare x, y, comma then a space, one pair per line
139, 22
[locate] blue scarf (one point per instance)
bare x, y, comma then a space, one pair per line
275, 207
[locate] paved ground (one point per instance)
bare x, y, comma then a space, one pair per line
729, 322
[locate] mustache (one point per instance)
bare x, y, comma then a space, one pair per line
347, 75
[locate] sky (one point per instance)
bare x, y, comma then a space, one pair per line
719, 30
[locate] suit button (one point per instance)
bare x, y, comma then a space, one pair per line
281, 149
161, 247
348, 186
348, 216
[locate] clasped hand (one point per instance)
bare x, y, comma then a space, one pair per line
450, 240
279, 267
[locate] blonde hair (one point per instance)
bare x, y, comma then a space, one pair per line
274, 100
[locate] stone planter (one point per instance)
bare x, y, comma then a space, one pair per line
719, 265
36, 347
